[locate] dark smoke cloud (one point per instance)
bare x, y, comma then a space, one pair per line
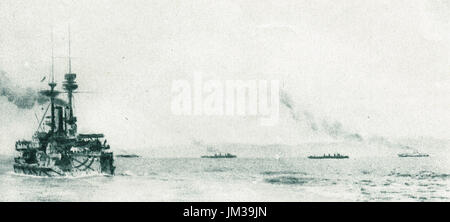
333, 129
22, 98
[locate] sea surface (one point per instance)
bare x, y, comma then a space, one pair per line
242, 179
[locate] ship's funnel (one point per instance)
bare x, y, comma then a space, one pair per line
59, 119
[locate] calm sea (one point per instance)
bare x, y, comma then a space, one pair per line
242, 179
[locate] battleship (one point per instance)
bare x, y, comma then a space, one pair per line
413, 154
328, 156
56, 148
220, 155
128, 156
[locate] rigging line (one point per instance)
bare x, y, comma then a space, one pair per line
40, 123
37, 119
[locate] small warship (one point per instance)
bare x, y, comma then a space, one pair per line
56, 148
328, 156
413, 154
220, 155
128, 156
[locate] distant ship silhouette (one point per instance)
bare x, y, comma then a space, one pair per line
328, 156
220, 155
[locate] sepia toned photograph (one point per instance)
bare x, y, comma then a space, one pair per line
225, 101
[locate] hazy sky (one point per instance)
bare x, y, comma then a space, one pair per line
379, 67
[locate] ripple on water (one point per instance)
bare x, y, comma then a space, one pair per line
366, 172
432, 175
136, 174
422, 175
217, 169
286, 177
269, 173
288, 180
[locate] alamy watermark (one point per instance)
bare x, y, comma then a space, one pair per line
227, 98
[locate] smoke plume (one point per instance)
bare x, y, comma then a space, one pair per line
22, 98
333, 129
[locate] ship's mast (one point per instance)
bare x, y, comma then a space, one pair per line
52, 77
52, 85
70, 86
70, 59
52, 94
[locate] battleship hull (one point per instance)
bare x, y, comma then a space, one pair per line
413, 155
34, 170
79, 165
56, 148
219, 157
328, 157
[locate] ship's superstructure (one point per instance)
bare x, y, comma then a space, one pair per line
413, 154
329, 156
220, 155
56, 148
